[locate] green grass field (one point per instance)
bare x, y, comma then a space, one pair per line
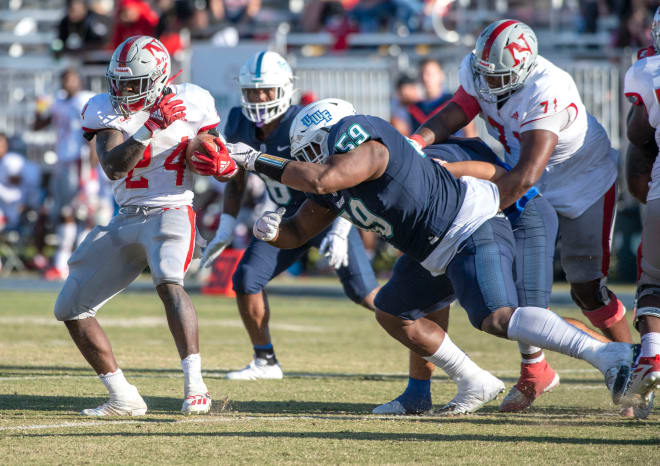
339, 365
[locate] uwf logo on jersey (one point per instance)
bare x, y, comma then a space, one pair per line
316, 117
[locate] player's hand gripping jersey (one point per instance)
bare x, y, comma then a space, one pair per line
412, 205
161, 178
583, 165
642, 87
240, 129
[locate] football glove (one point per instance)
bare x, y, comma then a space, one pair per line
220, 241
217, 163
267, 226
244, 155
335, 244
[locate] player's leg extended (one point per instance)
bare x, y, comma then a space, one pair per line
585, 257
535, 232
492, 307
261, 262
86, 289
402, 305
168, 235
357, 278
646, 370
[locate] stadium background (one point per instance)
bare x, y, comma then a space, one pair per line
352, 50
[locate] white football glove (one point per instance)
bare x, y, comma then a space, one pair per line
243, 155
335, 244
220, 241
266, 226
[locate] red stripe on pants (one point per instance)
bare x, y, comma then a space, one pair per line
608, 216
191, 247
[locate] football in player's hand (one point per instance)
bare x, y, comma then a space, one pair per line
203, 155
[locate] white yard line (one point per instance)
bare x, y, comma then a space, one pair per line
152, 322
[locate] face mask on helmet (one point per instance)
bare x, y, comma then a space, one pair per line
315, 149
137, 74
266, 83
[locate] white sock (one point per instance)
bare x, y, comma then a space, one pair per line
544, 328
115, 382
527, 349
192, 374
650, 345
526, 360
453, 361
66, 238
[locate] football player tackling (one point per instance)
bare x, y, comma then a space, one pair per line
362, 168
142, 126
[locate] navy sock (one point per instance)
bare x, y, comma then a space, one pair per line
417, 396
265, 352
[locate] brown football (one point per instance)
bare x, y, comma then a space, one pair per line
196, 146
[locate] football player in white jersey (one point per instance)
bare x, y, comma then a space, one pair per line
142, 126
641, 86
534, 109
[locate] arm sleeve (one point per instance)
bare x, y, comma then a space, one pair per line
468, 104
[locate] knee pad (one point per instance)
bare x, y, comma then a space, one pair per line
611, 312
646, 310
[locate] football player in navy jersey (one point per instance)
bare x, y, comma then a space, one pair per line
263, 121
534, 225
361, 168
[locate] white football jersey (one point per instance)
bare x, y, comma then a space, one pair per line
583, 165
161, 178
642, 87
66, 117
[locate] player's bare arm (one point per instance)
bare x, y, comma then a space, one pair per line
366, 162
443, 124
117, 156
536, 147
310, 220
233, 196
475, 169
639, 131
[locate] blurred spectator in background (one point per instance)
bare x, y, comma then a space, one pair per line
19, 186
407, 92
635, 18
73, 170
173, 18
80, 29
234, 11
133, 18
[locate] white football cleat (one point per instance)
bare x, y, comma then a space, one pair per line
196, 404
130, 404
645, 379
258, 369
615, 361
473, 393
396, 407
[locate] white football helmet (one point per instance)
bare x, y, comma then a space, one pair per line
309, 130
503, 58
655, 30
266, 70
137, 74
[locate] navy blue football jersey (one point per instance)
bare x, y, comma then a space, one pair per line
460, 150
240, 129
414, 202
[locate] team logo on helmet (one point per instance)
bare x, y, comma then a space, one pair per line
316, 117
520, 51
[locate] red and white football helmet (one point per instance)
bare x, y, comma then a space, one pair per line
137, 74
504, 56
655, 30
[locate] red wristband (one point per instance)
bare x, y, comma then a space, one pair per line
419, 140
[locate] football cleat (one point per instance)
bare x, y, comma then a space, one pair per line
472, 394
615, 361
535, 380
644, 380
196, 404
131, 404
258, 369
396, 407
